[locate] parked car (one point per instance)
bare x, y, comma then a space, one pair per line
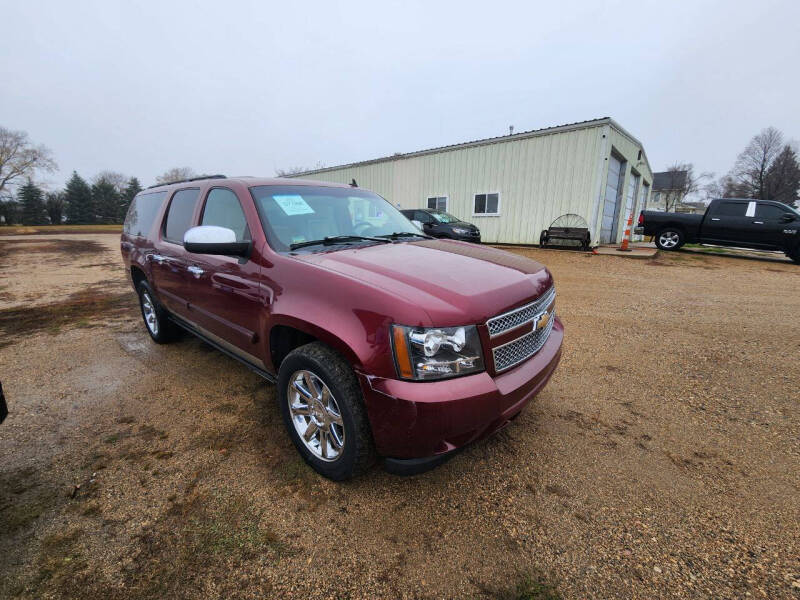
440, 224
381, 340
757, 224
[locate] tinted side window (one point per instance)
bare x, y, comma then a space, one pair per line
731, 209
224, 210
424, 217
142, 213
179, 215
769, 211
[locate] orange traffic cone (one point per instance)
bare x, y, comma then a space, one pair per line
626, 238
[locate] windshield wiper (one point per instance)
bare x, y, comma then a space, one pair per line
402, 234
337, 239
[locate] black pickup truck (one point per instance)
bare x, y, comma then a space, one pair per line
757, 224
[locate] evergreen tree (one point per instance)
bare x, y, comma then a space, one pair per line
131, 189
783, 177
9, 211
80, 208
105, 200
31, 199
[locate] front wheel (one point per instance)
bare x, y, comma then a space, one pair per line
322, 408
670, 239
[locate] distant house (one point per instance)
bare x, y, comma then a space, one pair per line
669, 189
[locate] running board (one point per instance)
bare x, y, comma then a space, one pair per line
193, 330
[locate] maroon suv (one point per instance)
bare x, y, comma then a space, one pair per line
381, 339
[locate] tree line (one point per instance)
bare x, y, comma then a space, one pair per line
106, 200
767, 169
22, 201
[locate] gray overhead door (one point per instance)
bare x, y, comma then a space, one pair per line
611, 201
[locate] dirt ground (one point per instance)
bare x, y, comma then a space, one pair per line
662, 461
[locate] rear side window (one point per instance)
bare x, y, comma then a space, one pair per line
769, 211
179, 215
142, 213
731, 209
224, 210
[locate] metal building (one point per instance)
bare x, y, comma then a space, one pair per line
514, 186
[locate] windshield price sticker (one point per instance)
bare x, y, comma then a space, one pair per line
293, 204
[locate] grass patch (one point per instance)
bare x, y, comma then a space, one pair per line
59, 561
19, 514
70, 248
195, 543
23, 499
57, 229
87, 308
218, 439
529, 586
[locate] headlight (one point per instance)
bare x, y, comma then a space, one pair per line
460, 231
436, 352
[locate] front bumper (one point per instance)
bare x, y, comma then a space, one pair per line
424, 419
475, 239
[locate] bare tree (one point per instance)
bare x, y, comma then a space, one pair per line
54, 205
748, 179
21, 159
682, 182
176, 174
295, 170
118, 180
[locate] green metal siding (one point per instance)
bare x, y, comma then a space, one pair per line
538, 178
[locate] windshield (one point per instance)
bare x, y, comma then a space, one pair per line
444, 217
293, 214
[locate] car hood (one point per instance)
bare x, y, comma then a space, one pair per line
455, 283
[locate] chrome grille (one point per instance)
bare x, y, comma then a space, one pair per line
519, 316
522, 348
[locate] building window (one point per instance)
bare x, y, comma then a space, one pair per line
438, 203
486, 204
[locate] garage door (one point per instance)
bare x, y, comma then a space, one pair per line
630, 199
611, 202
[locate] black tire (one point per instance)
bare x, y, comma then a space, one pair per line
795, 255
670, 238
357, 452
161, 330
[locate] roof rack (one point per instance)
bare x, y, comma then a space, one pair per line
199, 178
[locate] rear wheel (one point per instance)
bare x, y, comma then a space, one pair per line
795, 255
323, 410
670, 239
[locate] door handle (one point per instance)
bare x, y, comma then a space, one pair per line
758, 222
715, 218
196, 271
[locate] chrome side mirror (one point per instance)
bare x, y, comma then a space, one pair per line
210, 239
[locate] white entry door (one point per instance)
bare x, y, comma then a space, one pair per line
630, 198
608, 229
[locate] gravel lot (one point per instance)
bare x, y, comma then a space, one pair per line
662, 461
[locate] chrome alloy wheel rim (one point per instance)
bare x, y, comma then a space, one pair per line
149, 312
315, 415
669, 239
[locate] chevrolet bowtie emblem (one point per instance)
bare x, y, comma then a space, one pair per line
542, 320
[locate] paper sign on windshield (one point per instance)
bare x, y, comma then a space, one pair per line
293, 204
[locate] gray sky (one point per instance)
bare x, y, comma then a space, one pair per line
243, 88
